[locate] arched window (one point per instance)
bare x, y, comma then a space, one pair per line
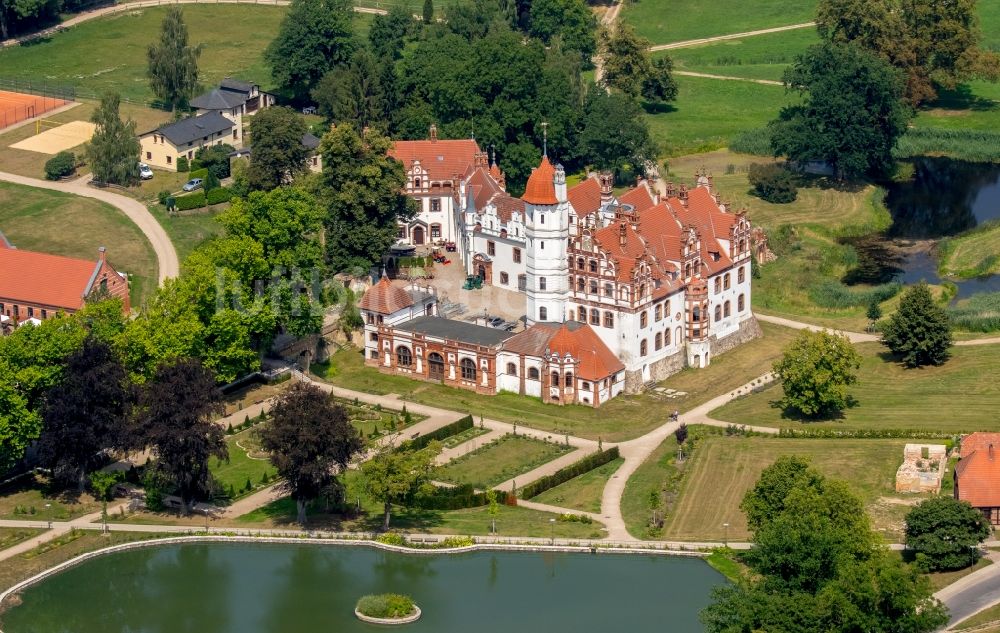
741, 274
718, 285
609, 319
687, 270
643, 318
718, 313
533, 373
555, 379
740, 304
658, 341
581, 314
579, 263
725, 282
696, 313
416, 183
595, 316
435, 365
593, 265
643, 348
512, 369
543, 313
593, 286
403, 356
658, 312
726, 309
569, 379
677, 336
666, 336
468, 369
580, 284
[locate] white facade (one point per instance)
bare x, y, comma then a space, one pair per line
547, 231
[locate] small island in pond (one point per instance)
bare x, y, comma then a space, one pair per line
387, 608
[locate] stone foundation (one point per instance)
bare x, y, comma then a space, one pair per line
749, 330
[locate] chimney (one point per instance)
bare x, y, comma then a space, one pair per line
622, 234
607, 181
102, 254
434, 133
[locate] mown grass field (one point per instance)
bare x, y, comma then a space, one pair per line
72, 226
722, 469
960, 396
582, 492
973, 254
756, 57
499, 461
622, 418
657, 476
665, 21
244, 465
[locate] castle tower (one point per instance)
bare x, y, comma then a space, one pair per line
547, 231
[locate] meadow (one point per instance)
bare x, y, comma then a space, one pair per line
665, 21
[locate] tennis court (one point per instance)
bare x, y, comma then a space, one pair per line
18, 106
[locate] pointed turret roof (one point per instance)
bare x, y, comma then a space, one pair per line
541, 188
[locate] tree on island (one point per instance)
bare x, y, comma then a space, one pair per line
815, 371
173, 63
315, 36
850, 112
85, 414
310, 440
394, 476
817, 566
945, 533
174, 419
278, 153
114, 148
919, 332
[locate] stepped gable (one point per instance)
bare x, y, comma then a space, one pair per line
622, 244
385, 298
586, 196
541, 188
442, 159
702, 204
596, 361
639, 197
713, 255
486, 191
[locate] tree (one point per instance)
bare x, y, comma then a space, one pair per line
659, 85
874, 312
278, 153
767, 498
363, 192
615, 135
315, 36
174, 419
945, 533
215, 159
85, 414
773, 183
287, 222
23, 15
626, 59
394, 476
173, 64
309, 439
919, 332
387, 34
353, 94
102, 482
493, 509
570, 20
681, 433
113, 151
815, 371
428, 13
850, 112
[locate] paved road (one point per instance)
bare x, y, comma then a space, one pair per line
166, 255
973, 593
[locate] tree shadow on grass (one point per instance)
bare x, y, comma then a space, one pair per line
346, 518
658, 108
961, 98
788, 413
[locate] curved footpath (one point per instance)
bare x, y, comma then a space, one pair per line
166, 256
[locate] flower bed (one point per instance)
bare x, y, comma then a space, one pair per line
391, 608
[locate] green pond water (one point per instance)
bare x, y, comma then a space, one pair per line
276, 588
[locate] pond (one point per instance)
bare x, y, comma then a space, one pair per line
285, 588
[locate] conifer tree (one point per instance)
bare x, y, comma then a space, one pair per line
173, 63
919, 332
113, 151
428, 11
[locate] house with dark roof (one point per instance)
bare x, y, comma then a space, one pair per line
309, 141
977, 474
182, 139
39, 285
234, 100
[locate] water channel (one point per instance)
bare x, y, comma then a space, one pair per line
945, 197
288, 588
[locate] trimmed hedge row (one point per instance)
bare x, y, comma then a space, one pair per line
863, 434
447, 430
219, 195
587, 464
194, 200
198, 173
457, 498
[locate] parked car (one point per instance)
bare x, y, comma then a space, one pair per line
191, 185
145, 172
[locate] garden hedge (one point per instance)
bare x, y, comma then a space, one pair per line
194, 200
182, 164
457, 498
587, 464
219, 195
447, 430
199, 173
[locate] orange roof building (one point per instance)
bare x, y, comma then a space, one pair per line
39, 285
977, 474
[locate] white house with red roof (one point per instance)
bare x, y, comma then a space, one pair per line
39, 285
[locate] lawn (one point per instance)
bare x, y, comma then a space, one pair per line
654, 484
246, 464
29, 499
620, 419
64, 224
891, 397
499, 461
373, 421
972, 254
10, 537
583, 492
757, 57
665, 21
722, 469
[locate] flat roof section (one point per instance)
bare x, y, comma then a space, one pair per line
462, 331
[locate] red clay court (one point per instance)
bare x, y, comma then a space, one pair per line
18, 106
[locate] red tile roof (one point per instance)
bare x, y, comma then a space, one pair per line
626, 255
44, 279
442, 159
978, 472
596, 361
640, 198
487, 191
586, 196
541, 188
385, 298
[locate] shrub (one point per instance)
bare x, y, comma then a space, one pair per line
773, 183
182, 164
447, 430
456, 541
218, 195
194, 200
456, 498
199, 173
386, 605
833, 294
196, 164
163, 196
587, 464
211, 181
391, 538
574, 518
59, 166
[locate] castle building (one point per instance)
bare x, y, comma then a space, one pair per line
619, 291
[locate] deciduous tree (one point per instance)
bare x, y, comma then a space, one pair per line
387, 34
570, 20
278, 153
310, 440
287, 222
815, 371
394, 476
615, 135
919, 331
626, 63
173, 63
945, 533
113, 150
174, 419
659, 85
352, 94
